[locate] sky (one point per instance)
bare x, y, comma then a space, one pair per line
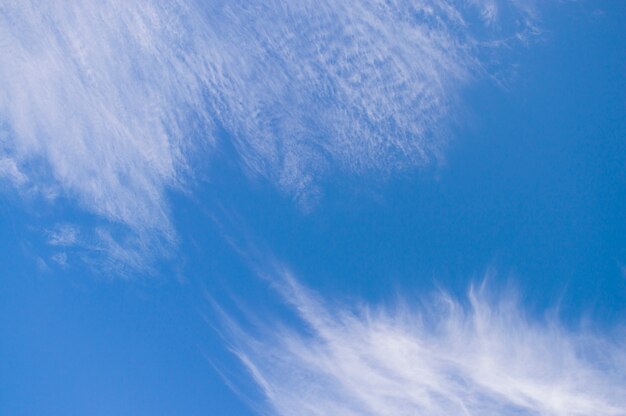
312, 208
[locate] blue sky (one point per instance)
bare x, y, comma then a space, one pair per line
312, 208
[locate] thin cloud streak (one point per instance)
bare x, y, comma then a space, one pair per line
439, 357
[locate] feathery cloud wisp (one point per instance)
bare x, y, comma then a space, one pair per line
439, 358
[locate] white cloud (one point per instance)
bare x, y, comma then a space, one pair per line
60, 259
107, 250
437, 357
63, 235
95, 94
104, 99
355, 86
10, 171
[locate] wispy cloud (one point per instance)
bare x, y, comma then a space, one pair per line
438, 356
63, 235
106, 249
351, 86
104, 99
9, 171
94, 94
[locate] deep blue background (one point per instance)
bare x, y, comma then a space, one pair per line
534, 187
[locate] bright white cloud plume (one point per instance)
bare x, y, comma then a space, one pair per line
440, 357
104, 99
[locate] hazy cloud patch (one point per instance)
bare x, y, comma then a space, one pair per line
104, 101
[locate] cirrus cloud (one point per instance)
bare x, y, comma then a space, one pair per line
439, 357
104, 100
